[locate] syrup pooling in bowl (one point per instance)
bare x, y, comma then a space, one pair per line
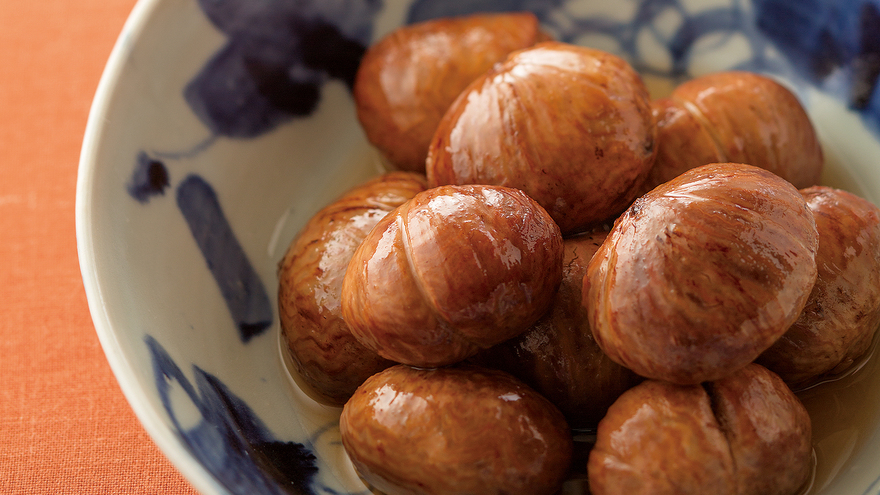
843, 410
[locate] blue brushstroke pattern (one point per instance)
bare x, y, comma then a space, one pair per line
278, 56
824, 37
230, 441
695, 25
818, 36
866, 67
149, 178
239, 283
279, 53
423, 10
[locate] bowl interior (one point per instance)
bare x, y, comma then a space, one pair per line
195, 176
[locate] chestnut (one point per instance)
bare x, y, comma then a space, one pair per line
408, 79
328, 361
569, 125
558, 356
703, 273
737, 117
454, 270
745, 434
454, 430
838, 323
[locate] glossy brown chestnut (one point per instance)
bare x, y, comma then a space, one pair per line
452, 271
558, 356
570, 126
703, 273
326, 357
735, 117
745, 434
659, 438
408, 79
841, 317
455, 430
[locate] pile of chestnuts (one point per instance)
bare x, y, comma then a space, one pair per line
556, 251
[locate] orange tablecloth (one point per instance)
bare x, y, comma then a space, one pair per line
65, 426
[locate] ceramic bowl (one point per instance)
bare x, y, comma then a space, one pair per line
220, 127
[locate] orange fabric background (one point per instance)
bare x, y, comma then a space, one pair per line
65, 426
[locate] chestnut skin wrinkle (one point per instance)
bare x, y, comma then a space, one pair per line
327, 358
408, 79
558, 356
569, 125
703, 273
838, 324
659, 438
745, 434
455, 430
736, 117
454, 270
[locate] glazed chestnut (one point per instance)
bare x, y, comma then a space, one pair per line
838, 323
735, 117
702, 274
408, 79
571, 126
455, 430
745, 434
558, 356
326, 358
454, 270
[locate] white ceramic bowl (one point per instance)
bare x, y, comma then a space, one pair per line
220, 127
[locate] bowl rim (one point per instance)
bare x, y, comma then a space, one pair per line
153, 419
150, 418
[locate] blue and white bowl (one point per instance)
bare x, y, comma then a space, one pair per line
221, 126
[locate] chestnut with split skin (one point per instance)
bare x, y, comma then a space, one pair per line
327, 361
454, 270
744, 434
